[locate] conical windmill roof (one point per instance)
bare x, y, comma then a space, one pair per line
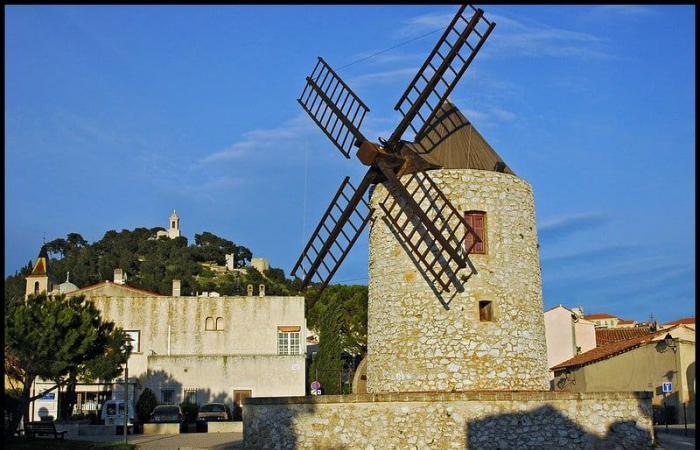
462, 148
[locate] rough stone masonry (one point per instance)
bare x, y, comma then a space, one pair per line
416, 342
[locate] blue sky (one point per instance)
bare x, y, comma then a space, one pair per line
116, 115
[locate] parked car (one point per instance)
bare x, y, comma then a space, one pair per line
210, 412
167, 414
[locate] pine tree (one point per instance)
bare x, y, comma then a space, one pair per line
327, 365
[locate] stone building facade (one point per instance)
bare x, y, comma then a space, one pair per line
420, 341
205, 349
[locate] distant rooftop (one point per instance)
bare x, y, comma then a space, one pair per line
599, 316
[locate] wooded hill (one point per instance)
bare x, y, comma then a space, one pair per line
152, 264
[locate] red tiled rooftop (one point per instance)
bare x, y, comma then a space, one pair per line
599, 316
608, 351
683, 321
604, 336
625, 322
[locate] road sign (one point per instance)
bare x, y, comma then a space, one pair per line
667, 387
315, 386
315, 392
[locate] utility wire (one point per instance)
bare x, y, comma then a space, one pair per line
390, 48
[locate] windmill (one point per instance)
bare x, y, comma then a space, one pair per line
428, 216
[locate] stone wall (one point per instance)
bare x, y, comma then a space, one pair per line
474, 420
422, 339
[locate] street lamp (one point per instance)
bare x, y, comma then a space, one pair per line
668, 341
127, 351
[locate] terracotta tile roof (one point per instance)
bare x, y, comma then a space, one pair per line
625, 322
608, 351
599, 316
685, 320
604, 336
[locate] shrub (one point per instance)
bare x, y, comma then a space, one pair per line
190, 411
145, 405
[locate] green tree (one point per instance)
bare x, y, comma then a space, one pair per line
58, 339
327, 365
145, 405
351, 300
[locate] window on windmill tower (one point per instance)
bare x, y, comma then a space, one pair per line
485, 311
477, 221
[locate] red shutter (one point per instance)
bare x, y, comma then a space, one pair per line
476, 221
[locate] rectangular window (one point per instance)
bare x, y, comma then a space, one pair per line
167, 396
191, 395
485, 311
477, 221
135, 336
288, 340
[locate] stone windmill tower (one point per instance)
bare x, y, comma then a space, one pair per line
455, 297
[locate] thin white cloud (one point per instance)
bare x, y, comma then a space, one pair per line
520, 38
616, 12
263, 138
384, 77
534, 39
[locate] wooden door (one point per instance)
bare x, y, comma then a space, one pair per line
238, 397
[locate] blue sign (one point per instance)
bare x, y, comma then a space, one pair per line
49, 396
666, 387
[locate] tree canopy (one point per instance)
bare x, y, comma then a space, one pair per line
58, 339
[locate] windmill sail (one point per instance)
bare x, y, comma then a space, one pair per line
335, 108
429, 225
341, 225
440, 73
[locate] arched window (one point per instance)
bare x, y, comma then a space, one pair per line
209, 324
219, 323
36, 287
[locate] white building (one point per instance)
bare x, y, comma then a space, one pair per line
568, 334
206, 349
173, 227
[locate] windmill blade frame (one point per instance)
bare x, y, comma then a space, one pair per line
427, 251
398, 190
321, 243
436, 83
323, 92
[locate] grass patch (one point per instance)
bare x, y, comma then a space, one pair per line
57, 444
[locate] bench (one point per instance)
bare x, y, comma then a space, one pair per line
41, 428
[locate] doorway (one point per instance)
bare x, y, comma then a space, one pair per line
238, 396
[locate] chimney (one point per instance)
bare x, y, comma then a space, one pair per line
261, 290
250, 290
176, 288
119, 276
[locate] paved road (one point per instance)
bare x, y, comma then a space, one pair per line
186, 441
675, 438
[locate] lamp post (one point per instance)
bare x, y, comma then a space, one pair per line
127, 352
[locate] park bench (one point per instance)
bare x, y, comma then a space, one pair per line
41, 428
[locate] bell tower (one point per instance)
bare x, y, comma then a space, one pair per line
174, 229
38, 280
